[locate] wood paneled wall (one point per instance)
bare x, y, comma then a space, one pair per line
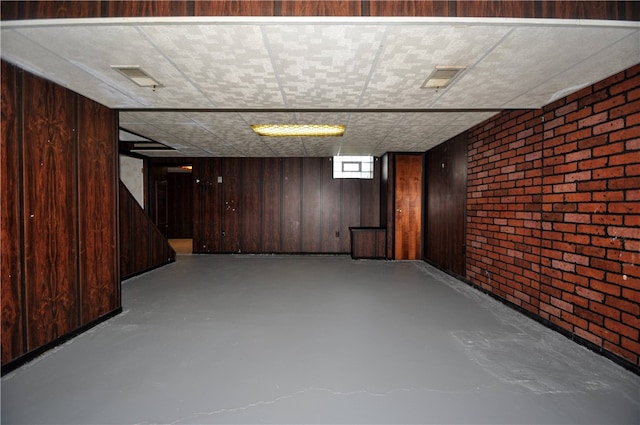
615, 10
278, 205
445, 207
59, 203
12, 236
142, 245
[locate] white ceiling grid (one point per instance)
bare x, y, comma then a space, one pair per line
219, 75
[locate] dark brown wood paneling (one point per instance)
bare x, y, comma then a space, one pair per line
408, 207
496, 8
437, 208
125, 8
141, 242
272, 205
142, 246
49, 9
351, 199
251, 212
59, 211
49, 165
370, 198
200, 220
234, 8
387, 194
207, 229
161, 251
125, 230
291, 205
553, 9
409, 8
458, 217
97, 196
312, 204
578, 9
368, 242
180, 202
614, 10
277, 205
321, 8
445, 209
11, 243
231, 204
156, 199
330, 209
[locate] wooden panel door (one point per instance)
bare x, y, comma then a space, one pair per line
408, 206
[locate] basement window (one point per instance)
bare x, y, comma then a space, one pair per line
353, 167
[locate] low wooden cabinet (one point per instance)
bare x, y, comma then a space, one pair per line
368, 242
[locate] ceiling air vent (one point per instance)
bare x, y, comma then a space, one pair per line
137, 75
442, 77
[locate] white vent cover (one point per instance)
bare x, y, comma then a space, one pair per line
137, 75
442, 76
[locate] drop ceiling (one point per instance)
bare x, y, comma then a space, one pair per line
220, 75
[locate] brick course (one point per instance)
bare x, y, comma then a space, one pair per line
553, 212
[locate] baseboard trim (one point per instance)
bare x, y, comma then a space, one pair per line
26, 358
634, 368
139, 272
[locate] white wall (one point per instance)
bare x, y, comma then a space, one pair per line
132, 175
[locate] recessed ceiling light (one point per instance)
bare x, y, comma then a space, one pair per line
442, 76
299, 130
137, 75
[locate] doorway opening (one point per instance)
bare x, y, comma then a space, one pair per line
171, 197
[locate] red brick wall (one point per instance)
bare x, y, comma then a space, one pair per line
553, 212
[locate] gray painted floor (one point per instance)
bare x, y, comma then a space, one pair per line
316, 339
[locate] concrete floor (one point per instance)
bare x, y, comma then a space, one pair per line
316, 339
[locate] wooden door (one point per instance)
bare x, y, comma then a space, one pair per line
408, 207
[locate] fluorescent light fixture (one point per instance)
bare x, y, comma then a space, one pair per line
137, 75
353, 167
299, 130
442, 76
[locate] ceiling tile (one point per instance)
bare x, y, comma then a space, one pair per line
214, 70
411, 53
228, 64
323, 66
525, 60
